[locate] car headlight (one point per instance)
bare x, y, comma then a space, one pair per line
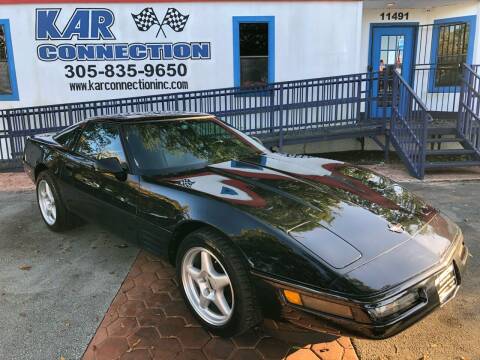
399, 305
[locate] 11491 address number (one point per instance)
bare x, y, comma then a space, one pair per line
122, 70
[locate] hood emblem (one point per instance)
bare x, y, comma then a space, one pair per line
398, 228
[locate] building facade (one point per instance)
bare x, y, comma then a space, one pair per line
61, 51
77, 52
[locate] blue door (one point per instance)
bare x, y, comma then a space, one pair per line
391, 49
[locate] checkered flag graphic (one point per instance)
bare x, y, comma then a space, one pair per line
146, 19
175, 20
186, 183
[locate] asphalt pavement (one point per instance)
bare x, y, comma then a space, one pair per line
54, 288
452, 332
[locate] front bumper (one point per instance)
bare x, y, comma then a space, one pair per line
362, 325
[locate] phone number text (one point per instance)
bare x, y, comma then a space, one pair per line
122, 70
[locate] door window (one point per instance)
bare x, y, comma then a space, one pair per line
68, 136
391, 59
391, 52
101, 141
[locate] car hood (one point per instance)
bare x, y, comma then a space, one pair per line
345, 215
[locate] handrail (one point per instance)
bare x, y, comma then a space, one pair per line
410, 89
239, 90
470, 69
280, 110
408, 127
468, 123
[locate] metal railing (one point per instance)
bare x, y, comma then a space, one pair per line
441, 49
468, 124
440, 99
278, 111
408, 127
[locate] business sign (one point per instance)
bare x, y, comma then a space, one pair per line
55, 52
91, 57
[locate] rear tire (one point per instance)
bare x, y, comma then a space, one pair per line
222, 280
50, 204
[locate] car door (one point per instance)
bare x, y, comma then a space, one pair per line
160, 206
105, 198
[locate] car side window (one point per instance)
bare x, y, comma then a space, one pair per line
100, 141
67, 137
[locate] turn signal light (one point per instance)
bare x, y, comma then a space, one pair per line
293, 297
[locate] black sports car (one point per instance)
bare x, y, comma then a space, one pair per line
253, 234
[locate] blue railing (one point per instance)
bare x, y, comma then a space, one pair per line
280, 113
277, 113
468, 124
409, 125
441, 101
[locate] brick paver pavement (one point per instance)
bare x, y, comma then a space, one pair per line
149, 320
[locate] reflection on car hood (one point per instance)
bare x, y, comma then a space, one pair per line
344, 214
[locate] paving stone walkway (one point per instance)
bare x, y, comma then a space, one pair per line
149, 320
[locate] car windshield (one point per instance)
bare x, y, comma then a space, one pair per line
167, 147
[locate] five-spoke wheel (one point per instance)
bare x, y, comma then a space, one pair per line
215, 283
46, 202
52, 209
207, 286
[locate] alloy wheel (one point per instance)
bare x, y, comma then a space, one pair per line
46, 201
207, 286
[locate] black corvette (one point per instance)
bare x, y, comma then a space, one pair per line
316, 242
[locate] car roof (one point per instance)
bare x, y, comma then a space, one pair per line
148, 116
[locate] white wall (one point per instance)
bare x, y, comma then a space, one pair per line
421, 16
312, 39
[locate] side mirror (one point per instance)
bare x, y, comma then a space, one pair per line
109, 166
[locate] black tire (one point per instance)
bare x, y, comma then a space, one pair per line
63, 220
246, 313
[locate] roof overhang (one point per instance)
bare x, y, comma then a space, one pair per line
19, 2
411, 4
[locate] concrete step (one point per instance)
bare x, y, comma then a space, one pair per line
450, 164
450, 152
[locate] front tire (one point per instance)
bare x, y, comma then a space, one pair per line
215, 283
50, 204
